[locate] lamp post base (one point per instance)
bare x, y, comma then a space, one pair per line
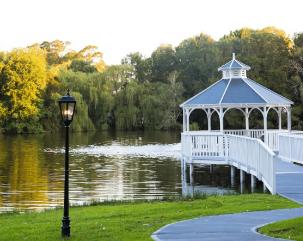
65, 229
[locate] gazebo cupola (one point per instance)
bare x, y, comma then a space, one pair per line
234, 69
236, 91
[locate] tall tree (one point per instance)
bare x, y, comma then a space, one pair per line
198, 59
163, 62
141, 65
22, 79
55, 50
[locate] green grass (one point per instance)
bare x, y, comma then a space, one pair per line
128, 221
288, 229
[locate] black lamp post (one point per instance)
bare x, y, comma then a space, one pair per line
67, 109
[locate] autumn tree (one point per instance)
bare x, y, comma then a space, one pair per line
23, 78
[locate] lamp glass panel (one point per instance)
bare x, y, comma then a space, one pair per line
70, 110
67, 110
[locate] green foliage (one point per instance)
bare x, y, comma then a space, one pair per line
142, 93
194, 126
82, 66
54, 51
163, 63
22, 79
198, 62
84, 123
142, 66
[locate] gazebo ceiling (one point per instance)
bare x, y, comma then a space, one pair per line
236, 90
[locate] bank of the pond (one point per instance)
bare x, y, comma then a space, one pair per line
288, 229
129, 221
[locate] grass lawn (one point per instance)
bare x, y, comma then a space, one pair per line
128, 221
288, 229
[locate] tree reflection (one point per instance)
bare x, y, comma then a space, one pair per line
24, 182
32, 178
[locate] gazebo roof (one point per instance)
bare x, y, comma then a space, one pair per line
236, 90
234, 64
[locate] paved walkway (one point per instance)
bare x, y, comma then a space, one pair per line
242, 226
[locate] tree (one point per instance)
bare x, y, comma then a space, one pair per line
23, 78
141, 65
198, 59
79, 65
92, 55
119, 76
163, 62
268, 51
54, 50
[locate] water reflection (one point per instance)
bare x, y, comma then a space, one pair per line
216, 179
23, 178
104, 166
32, 178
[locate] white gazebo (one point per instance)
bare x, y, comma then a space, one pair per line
254, 151
236, 91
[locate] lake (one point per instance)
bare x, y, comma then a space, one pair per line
103, 166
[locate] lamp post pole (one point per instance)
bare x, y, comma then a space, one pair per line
67, 106
66, 220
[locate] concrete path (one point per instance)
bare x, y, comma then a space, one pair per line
242, 226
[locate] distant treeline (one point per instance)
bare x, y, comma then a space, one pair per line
141, 92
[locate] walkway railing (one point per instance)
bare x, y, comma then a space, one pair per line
197, 146
254, 133
271, 138
249, 154
254, 157
291, 147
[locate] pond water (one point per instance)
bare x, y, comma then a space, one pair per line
104, 166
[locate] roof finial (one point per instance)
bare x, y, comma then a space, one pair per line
234, 56
68, 92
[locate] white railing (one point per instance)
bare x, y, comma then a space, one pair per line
245, 148
186, 144
248, 153
254, 133
273, 137
300, 133
291, 147
253, 155
208, 144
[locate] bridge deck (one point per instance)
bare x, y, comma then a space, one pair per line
290, 181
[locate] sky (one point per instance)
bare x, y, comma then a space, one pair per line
119, 27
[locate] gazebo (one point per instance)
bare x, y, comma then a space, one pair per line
254, 151
236, 91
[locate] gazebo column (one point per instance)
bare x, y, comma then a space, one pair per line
280, 117
246, 119
288, 119
187, 119
221, 116
209, 119
265, 125
184, 120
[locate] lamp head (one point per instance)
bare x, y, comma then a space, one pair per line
67, 106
